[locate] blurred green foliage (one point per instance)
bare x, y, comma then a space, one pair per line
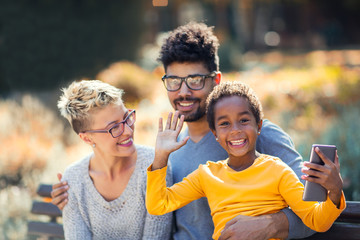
44, 43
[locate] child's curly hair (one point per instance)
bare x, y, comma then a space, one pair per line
228, 89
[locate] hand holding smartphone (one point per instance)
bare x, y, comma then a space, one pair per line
314, 191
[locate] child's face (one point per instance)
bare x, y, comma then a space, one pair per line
235, 126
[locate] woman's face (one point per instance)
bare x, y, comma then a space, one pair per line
105, 143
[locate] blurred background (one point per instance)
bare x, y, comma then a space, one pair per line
301, 57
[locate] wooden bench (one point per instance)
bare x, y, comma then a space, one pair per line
346, 227
50, 229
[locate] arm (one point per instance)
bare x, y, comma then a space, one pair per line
274, 141
159, 227
318, 216
59, 193
74, 225
260, 227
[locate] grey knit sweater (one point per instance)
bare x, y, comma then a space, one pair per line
89, 216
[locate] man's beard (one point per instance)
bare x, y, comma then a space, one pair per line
200, 112
192, 117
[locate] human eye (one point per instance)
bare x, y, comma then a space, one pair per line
244, 120
173, 82
195, 80
223, 123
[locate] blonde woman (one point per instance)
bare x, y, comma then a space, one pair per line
106, 198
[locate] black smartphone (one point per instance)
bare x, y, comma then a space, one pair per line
314, 191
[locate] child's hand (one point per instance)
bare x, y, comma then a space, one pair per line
166, 141
327, 175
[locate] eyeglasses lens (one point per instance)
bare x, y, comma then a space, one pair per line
193, 82
117, 130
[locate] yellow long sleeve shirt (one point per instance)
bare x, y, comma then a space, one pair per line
266, 187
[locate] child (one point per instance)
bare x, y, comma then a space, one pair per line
247, 183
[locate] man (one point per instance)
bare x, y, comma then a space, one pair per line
190, 59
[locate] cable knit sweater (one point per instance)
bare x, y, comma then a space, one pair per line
89, 216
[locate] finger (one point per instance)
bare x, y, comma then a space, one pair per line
168, 122
314, 166
60, 198
182, 142
58, 191
337, 163
174, 120
59, 176
62, 204
180, 124
323, 157
160, 125
59, 185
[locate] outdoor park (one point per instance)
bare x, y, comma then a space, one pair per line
301, 58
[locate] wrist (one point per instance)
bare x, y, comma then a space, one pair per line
278, 225
160, 160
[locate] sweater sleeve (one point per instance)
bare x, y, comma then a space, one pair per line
74, 226
159, 227
161, 200
318, 216
275, 142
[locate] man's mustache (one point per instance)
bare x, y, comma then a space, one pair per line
180, 99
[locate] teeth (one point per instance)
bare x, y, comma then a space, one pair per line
126, 141
237, 142
185, 104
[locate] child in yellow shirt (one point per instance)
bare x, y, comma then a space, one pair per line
247, 183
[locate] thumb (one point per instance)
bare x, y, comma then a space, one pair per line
59, 176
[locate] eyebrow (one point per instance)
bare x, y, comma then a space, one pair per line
112, 122
190, 75
241, 113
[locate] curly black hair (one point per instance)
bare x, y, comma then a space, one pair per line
228, 89
193, 42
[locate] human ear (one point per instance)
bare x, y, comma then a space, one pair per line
260, 126
218, 78
86, 138
214, 132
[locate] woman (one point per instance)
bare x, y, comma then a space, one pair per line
106, 198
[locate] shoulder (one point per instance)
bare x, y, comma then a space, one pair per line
273, 162
145, 155
76, 170
270, 130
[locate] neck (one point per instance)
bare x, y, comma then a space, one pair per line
198, 129
111, 166
243, 162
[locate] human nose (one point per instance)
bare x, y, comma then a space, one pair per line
184, 90
236, 127
127, 129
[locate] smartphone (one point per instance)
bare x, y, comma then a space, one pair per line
314, 191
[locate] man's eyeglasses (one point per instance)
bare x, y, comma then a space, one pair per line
118, 128
193, 82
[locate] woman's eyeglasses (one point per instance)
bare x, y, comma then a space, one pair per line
118, 128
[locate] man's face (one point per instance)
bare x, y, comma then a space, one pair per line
190, 103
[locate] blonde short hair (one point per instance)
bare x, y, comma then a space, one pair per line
84, 97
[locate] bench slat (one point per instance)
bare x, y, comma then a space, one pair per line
45, 229
351, 213
44, 190
44, 208
338, 231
